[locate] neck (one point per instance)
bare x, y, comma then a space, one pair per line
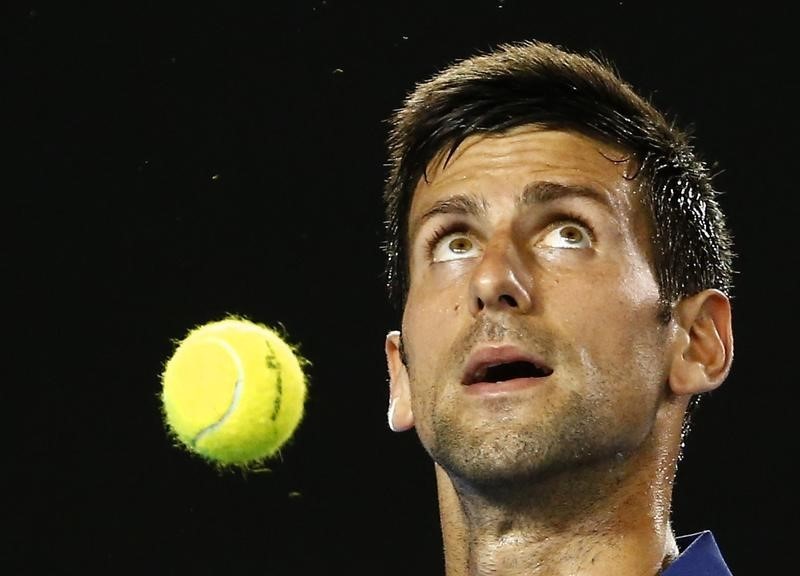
605, 518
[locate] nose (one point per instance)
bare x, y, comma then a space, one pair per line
500, 281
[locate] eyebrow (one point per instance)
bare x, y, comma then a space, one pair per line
543, 192
533, 193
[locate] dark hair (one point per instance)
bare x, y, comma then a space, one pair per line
539, 83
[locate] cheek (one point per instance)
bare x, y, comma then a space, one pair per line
425, 323
616, 329
432, 322
624, 387
621, 336
434, 305
437, 280
612, 301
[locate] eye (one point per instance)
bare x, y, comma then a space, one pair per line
453, 246
568, 235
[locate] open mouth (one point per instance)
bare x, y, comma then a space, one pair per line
508, 371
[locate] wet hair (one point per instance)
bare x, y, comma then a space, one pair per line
536, 83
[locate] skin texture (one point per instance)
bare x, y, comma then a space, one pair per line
545, 253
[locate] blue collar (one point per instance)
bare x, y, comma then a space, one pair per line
699, 556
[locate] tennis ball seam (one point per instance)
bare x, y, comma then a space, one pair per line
274, 364
237, 391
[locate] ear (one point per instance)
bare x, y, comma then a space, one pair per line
702, 350
400, 415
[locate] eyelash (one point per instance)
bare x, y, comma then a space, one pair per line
443, 230
566, 216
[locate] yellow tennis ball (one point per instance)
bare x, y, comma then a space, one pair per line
234, 391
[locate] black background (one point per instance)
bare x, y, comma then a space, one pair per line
172, 165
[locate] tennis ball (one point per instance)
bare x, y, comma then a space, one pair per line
233, 391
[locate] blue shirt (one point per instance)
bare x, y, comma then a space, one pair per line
699, 556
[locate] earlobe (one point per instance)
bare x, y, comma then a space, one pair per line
399, 415
702, 350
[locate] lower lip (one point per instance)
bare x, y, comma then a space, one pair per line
506, 386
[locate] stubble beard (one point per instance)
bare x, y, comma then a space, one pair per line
515, 445
570, 431
523, 453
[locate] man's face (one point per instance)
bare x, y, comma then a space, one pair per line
531, 325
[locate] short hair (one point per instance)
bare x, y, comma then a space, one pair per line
537, 83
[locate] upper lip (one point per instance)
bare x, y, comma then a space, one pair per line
481, 359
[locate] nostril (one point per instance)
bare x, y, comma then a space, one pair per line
505, 298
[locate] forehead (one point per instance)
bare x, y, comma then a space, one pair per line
503, 164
